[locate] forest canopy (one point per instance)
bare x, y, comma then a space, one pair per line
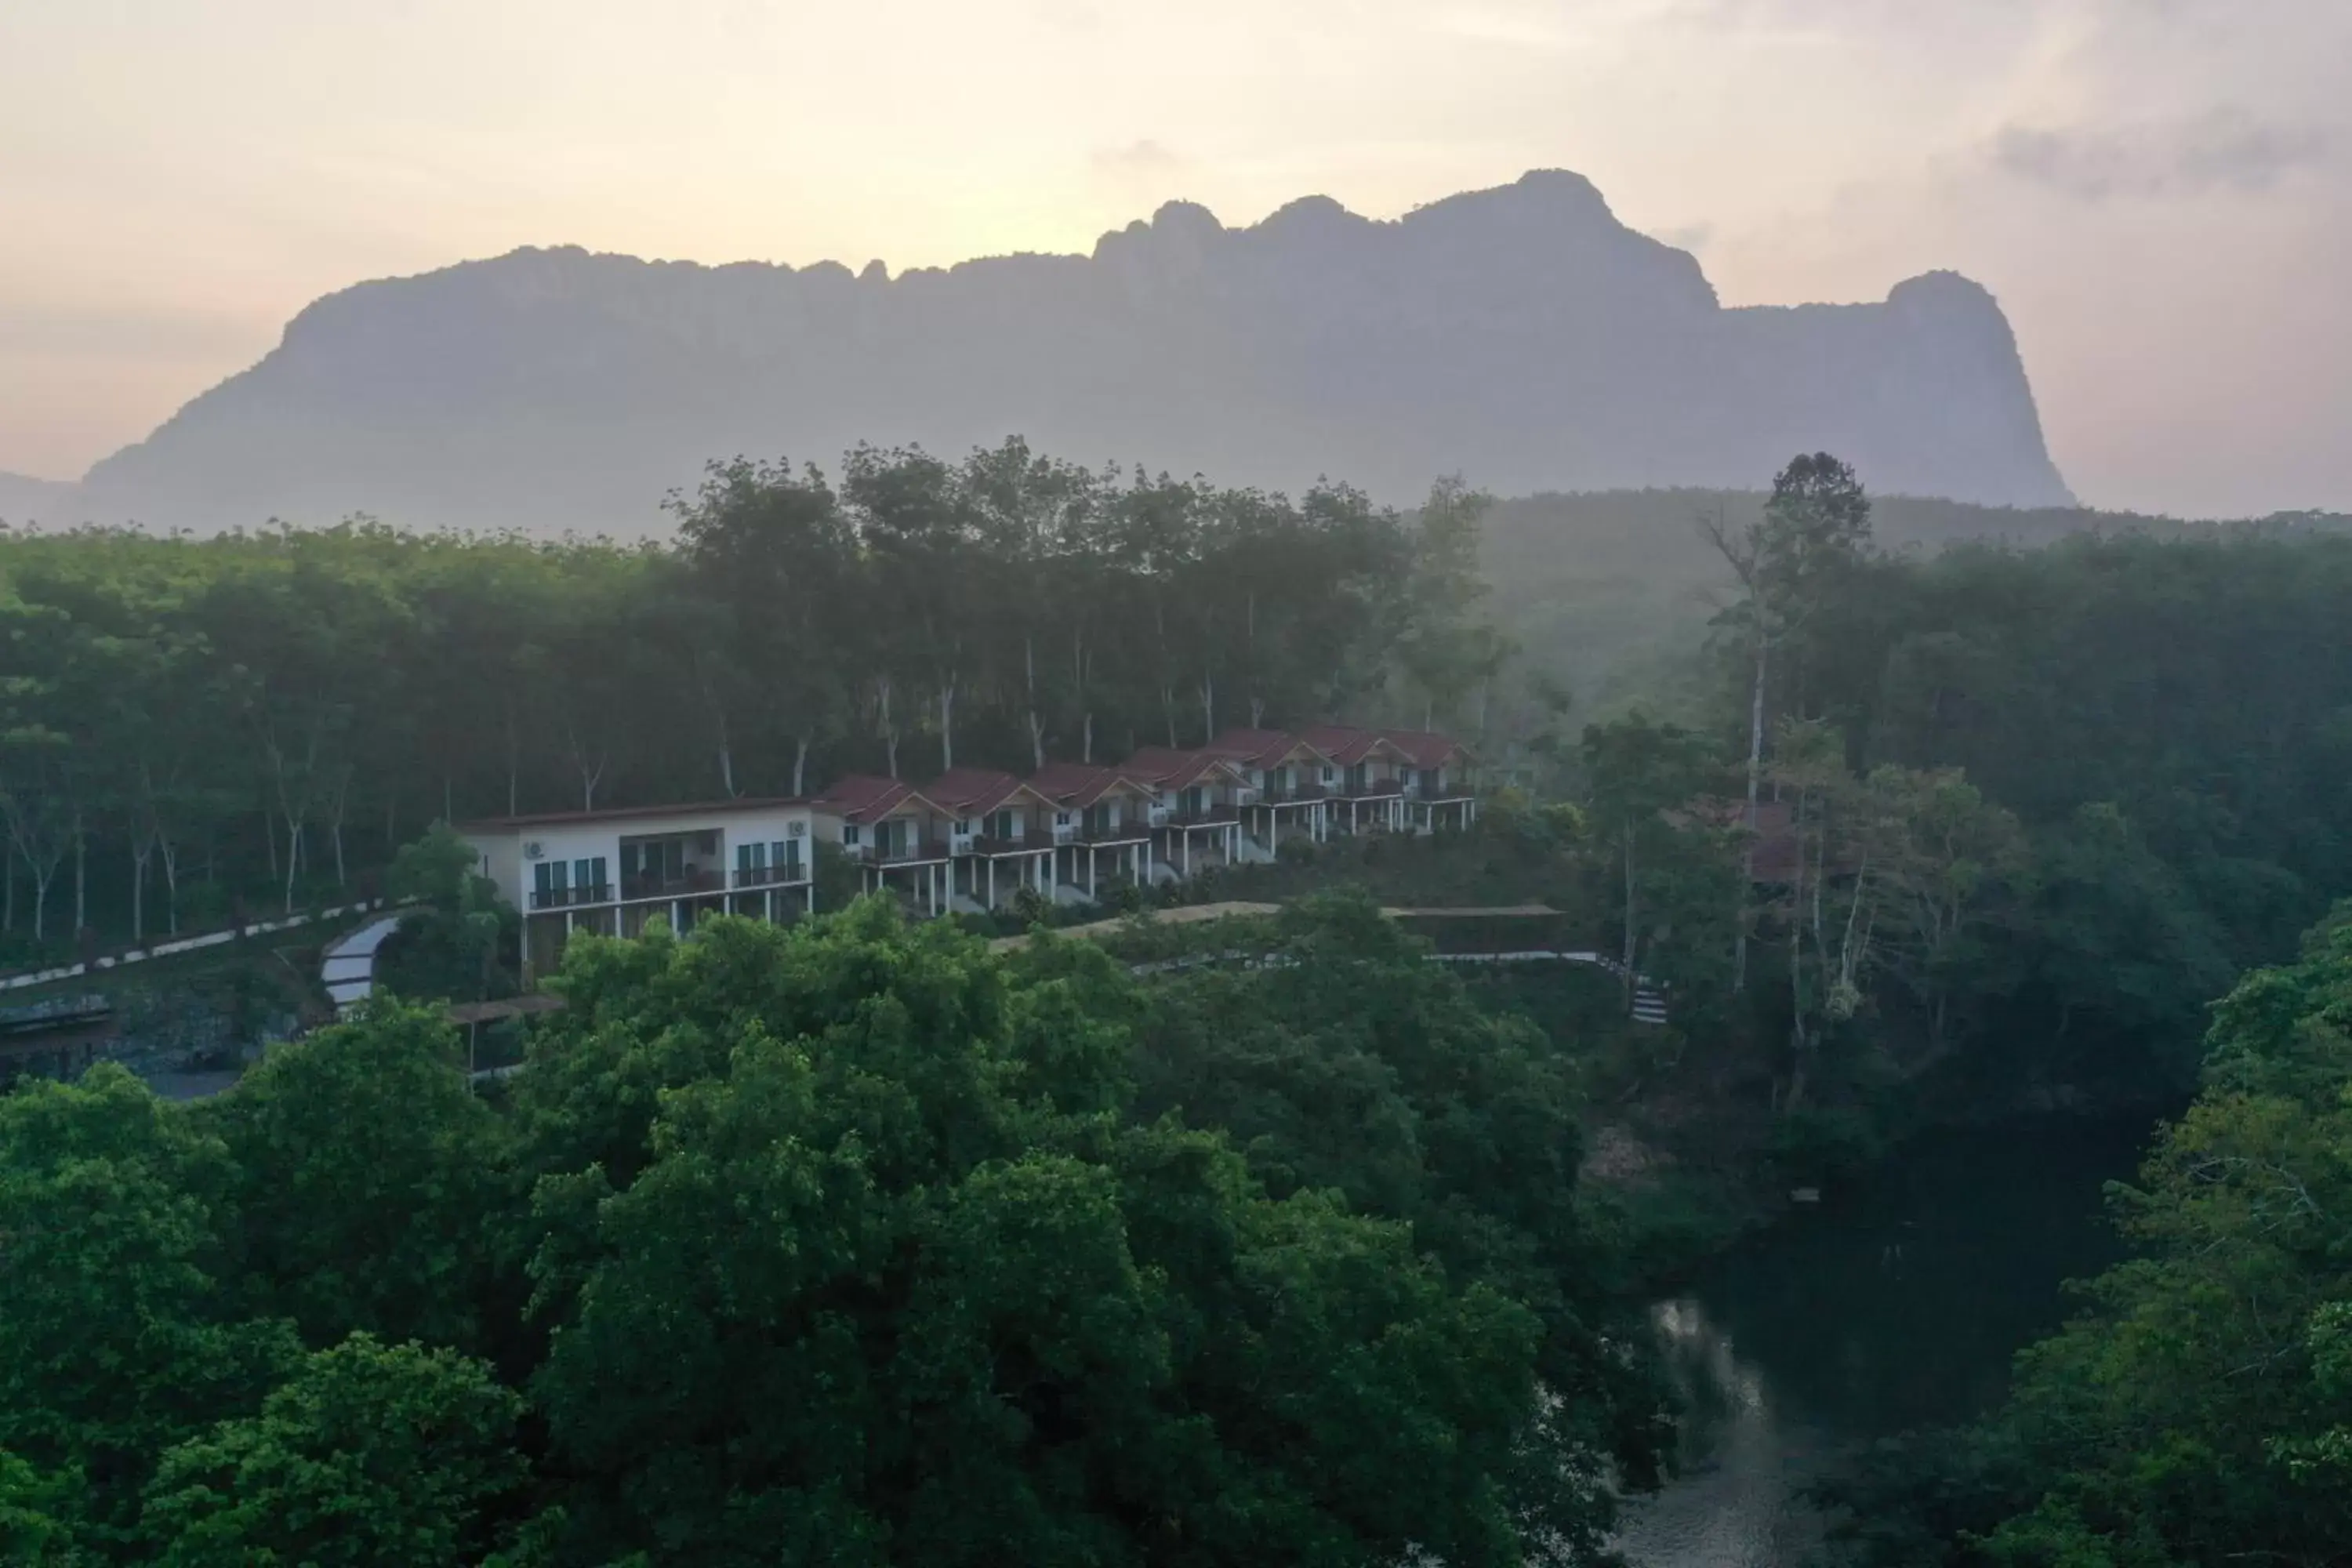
848, 1243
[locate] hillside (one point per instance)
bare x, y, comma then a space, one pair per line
1521, 335
24, 499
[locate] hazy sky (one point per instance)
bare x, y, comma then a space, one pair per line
2160, 190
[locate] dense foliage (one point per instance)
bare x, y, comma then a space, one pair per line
2200, 1410
843, 1243
263, 716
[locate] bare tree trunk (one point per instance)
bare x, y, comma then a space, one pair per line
293, 858
1629, 926
514, 763
947, 724
889, 731
81, 878
1036, 724
800, 762
140, 851
269, 837
171, 855
8, 919
1086, 738
1800, 1046
1257, 712
1748, 854
1208, 707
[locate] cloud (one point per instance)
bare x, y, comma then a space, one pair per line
2225, 150
1137, 160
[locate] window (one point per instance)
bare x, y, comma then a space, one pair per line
1001, 826
1061, 819
785, 855
588, 873
1327, 775
751, 856
849, 834
963, 826
542, 882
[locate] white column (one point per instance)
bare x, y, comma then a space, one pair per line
991, 881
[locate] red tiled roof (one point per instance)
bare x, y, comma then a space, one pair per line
1165, 767
1346, 745
864, 798
1426, 748
973, 791
1258, 748
629, 813
1076, 785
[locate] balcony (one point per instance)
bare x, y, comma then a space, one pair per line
1031, 842
1372, 789
691, 880
790, 874
909, 852
570, 897
1297, 795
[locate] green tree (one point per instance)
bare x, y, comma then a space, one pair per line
121, 1331
368, 1179
368, 1453
1644, 775
851, 1257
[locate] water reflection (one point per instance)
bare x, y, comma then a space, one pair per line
1898, 1305
1745, 1460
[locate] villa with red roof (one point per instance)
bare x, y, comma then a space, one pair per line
974, 837
1196, 800
1000, 837
897, 836
1102, 817
1292, 779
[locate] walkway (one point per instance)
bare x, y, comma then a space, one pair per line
349, 970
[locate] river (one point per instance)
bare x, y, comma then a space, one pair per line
1895, 1305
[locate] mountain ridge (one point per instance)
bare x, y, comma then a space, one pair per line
1521, 335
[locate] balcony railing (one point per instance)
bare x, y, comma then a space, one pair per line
788, 874
909, 851
1372, 789
570, 897
1201, 816
1028, 842
693, 879
1296, 794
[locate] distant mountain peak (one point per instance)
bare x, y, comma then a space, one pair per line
1522, 335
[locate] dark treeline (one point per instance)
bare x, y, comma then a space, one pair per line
262, 715
2198, 1409
2023, 813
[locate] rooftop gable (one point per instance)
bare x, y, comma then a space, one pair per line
1167, 767
1261, 748
1347, 746
1427, 748
868, 797
976, 792
1076, 785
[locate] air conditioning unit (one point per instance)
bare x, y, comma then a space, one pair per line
534, 850
797, 830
